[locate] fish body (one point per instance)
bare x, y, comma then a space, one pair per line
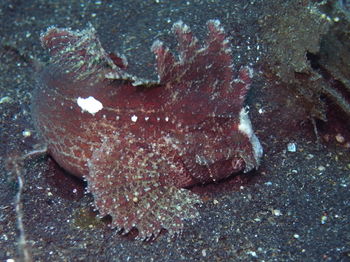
139, 143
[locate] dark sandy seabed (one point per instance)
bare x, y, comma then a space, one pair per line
295, 207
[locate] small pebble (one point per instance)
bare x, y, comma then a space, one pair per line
321, 168
340, 138
252, 253
309, 156
277, 212
291, 147
26, 133
5, 99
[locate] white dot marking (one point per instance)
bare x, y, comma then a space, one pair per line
134, 118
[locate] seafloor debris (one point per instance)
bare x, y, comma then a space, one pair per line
308, 51
289, 39
140, 143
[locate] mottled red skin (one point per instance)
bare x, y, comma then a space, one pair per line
66, 115
186, 130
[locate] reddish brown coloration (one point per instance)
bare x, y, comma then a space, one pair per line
140, 143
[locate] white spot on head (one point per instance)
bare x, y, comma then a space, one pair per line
90, 104
146, 118
134, 118
166, 119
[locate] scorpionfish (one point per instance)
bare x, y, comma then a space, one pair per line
140, 144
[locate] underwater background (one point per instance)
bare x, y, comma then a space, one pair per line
295, 207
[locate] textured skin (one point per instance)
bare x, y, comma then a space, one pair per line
150, 140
